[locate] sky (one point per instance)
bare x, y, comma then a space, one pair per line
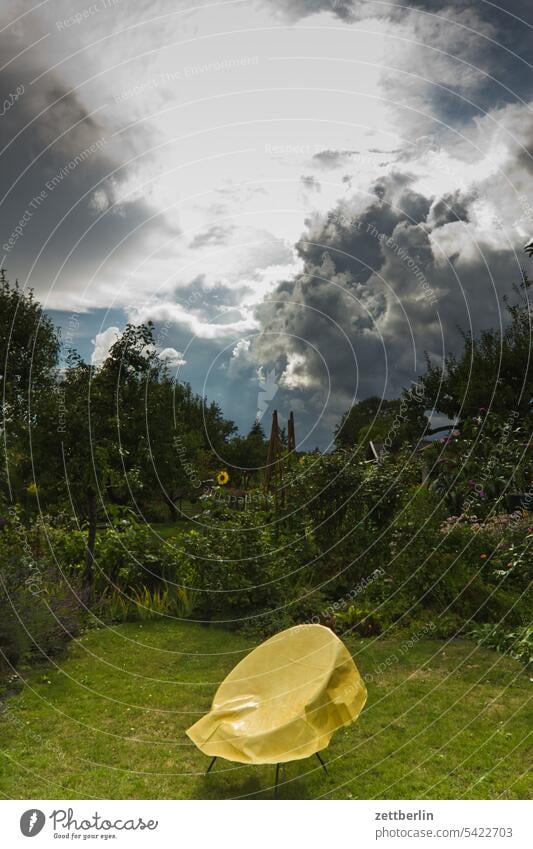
304, 196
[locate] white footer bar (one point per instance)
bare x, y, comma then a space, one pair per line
251, 825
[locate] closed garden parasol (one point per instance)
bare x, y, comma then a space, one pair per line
284, 700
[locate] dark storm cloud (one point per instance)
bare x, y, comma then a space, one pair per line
453, 207
478, 50
375, 294
59, 175
356, 254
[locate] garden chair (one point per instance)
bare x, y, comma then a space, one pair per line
283, 701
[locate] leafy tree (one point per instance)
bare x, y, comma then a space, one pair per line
80, 454
121, 392
100, 442
178, 457
29, 350
493, 372
247, 455
255, 446
401, 420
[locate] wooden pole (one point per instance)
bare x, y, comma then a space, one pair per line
291, 436
274, 468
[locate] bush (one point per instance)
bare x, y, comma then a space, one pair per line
361, 618
517, 642
39, 610
130, 605
244, 564
132, 555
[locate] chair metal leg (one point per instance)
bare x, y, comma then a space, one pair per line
322, 762
210, 766
276, 782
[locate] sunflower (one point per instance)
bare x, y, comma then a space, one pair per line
222, 478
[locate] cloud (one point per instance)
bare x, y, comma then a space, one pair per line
296, 375
62, 172
172, 358
242, 366
215, 235
449, 208
103, 342
297, 9
386, 277
310, 183
453, 59
223, 325
212, 224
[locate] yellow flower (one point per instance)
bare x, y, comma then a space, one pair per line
32, 488
222, 478
301, 461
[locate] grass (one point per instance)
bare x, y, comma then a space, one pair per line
174, 530
170, 531
441, 721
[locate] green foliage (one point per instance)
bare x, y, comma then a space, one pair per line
444, 569
131, 555
345, 504
244, 563
29, 350
361, 618
475, 471
378, 419
39, 610
246, 456
517, 642
126, 438
493, 372
305, 606
166, 600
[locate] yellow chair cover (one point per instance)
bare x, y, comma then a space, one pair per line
284, 700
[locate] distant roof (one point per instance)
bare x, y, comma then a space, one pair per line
375, 450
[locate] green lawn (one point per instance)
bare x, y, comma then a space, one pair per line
442, 721
174, 530
171, 530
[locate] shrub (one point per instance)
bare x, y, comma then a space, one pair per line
145, 603
360, 618
517, 642
132, 555
244, 563
39, 610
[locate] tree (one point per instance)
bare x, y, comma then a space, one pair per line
256, 430
29, 351
377, 419
493, 372
80, 453
247, 455
102, 437
177, 460
255, 447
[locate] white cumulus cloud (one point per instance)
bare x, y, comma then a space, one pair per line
172, 357
103, 342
